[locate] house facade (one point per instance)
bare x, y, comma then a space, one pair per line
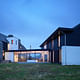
17, 53
9, 43
14, 43
3, 45
61, 37
33, 55
62, 47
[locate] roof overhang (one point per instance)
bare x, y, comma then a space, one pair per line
28, 50
60, 30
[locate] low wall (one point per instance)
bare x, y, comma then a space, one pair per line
9, 56
70, 55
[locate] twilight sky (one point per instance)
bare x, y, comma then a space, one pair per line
34, 20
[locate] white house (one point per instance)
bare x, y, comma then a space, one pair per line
13, 43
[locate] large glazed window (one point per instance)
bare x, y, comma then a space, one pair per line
22, 57
29, 56
34, 56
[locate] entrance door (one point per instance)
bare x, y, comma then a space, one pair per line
56, 56
45, 57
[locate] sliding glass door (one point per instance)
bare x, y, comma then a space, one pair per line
30, 57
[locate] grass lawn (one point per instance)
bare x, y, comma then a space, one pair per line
14, 71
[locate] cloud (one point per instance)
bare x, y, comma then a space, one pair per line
37, 19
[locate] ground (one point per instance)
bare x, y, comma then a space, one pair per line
47, 71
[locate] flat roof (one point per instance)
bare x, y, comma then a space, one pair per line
28, 50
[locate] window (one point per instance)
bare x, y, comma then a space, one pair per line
11, 41
16, 42
45, 46
34, 56
45, 57
22, 57
59, 41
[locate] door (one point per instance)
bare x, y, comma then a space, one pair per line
56, 56
45, 58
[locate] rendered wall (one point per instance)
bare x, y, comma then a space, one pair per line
15, 45
70, 55
9, 56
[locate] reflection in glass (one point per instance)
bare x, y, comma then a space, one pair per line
30, 56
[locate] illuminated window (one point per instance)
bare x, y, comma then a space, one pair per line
11, 41
59, 41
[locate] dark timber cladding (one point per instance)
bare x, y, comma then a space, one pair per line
68, 37
3, 45
55, 34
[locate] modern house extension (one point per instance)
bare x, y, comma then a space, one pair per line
33, 55
15, 52
61, 41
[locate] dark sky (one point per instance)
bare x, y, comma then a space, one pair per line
34, 20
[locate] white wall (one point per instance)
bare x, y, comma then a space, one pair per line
9, 56
70, 55
15, 45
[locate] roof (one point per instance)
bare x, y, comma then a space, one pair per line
77, 27
22, 47
28, 50
54, 34
3, 38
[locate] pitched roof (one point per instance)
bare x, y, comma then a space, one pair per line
54, 34
3, 38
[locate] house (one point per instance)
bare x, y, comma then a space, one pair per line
9, 43
62, 47
30, 55
3, 45
14, 43
60, 42
16, 53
